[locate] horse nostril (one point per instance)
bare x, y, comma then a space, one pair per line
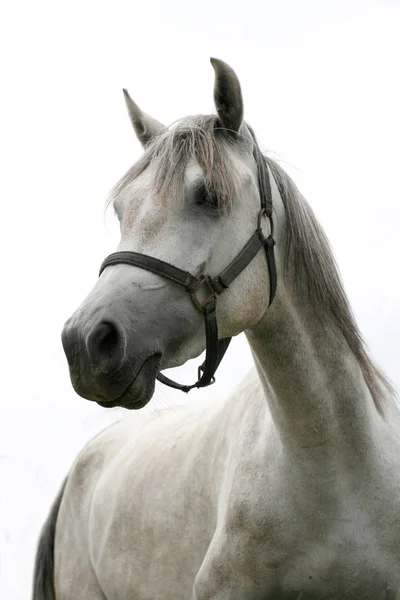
105, 344
107, 339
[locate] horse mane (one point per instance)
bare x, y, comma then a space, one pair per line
308, 258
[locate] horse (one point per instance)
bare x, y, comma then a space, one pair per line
288, 488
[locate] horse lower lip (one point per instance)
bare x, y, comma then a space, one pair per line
133, 398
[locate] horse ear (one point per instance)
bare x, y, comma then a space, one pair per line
145, 126
227, 95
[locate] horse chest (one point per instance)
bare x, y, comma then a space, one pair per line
323, 553
339, 567
341, 561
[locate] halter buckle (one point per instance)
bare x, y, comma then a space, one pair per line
208, 293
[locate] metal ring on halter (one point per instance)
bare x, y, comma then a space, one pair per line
264, 213
211, 294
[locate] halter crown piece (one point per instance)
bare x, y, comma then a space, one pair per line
204, 290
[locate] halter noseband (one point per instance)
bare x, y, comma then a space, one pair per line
204, 289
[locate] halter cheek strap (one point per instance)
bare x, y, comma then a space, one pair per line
204, 290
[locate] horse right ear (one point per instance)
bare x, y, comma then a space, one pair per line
227, 95
145, 126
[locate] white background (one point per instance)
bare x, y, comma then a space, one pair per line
321, 88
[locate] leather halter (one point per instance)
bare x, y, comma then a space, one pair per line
204, 289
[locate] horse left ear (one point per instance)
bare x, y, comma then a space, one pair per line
145, 126
227, 95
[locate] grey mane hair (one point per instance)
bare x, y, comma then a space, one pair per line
309, 263
308, 258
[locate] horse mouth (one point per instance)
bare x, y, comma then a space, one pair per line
140, 391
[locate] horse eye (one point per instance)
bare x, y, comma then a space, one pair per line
205, 197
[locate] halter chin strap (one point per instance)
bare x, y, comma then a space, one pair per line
204, 289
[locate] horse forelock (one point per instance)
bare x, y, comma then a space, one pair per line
199, 139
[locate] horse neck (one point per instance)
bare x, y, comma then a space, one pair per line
312, 381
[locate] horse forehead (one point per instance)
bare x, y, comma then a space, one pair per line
240, 163
193, 172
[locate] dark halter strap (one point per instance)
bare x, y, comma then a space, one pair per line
204, 289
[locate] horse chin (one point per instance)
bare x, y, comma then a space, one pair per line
141, 389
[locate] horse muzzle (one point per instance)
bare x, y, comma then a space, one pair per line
103, 368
